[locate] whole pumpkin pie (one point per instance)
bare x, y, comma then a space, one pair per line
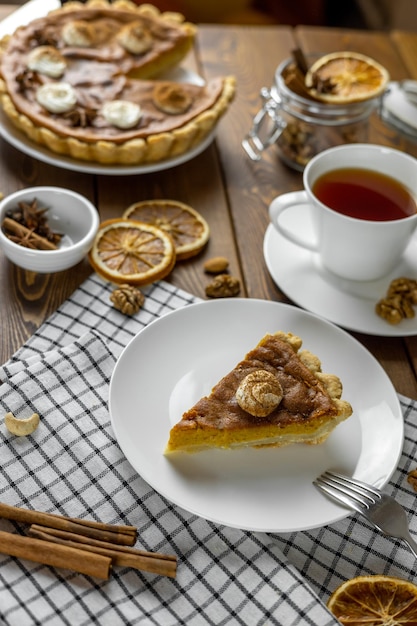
85, 81
276, 396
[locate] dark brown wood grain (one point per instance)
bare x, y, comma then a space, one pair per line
232, 192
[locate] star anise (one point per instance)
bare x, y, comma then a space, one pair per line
33, 218
28, 214
27, 240
81, 116
326, 85
25, 236
27, 79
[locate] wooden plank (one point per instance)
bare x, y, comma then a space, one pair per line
33, 297
230, 190
406, 44
252, 55
197, 182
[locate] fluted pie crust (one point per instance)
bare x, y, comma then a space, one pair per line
104, 71
311, 406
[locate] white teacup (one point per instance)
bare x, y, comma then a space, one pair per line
350, 247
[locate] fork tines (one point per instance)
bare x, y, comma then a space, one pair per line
350, 491
380, 509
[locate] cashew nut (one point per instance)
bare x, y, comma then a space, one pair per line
21, 427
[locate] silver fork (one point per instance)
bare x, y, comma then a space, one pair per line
385, 513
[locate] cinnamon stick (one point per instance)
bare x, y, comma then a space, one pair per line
124, 535
300, 60
55, 555
125, 530
12, 227
164, 565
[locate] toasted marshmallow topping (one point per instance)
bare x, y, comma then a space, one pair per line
135, 38
259, 393
56, 97
46, 60
78, 33
121, 113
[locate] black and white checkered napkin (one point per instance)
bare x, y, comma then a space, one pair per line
72, 465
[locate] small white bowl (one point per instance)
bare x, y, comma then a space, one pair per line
68, 213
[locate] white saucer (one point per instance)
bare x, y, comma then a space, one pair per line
350, 304
398, 110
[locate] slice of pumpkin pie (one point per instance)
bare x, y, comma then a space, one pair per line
276, 396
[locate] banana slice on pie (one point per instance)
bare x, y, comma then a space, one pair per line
171, 98
121, 113
135, 38
78, 33
56, 97
46, 60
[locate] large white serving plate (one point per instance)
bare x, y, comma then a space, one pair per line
18, 140
37, 8
179, 357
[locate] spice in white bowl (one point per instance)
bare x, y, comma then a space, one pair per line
56, 230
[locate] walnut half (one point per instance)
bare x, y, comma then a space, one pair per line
223, 286
127, 299
412, 479
399, 300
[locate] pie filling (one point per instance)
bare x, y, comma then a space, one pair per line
309, 408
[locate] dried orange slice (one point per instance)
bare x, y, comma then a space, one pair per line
186, 226
125, 251
343, 77
378, 600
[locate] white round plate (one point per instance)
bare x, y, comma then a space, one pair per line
351, 304
178, 358
19, 140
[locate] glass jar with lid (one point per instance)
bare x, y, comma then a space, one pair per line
300, 126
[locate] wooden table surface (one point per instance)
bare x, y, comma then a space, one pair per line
231, 191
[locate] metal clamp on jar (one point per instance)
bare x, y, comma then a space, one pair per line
253, 144
300, 126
